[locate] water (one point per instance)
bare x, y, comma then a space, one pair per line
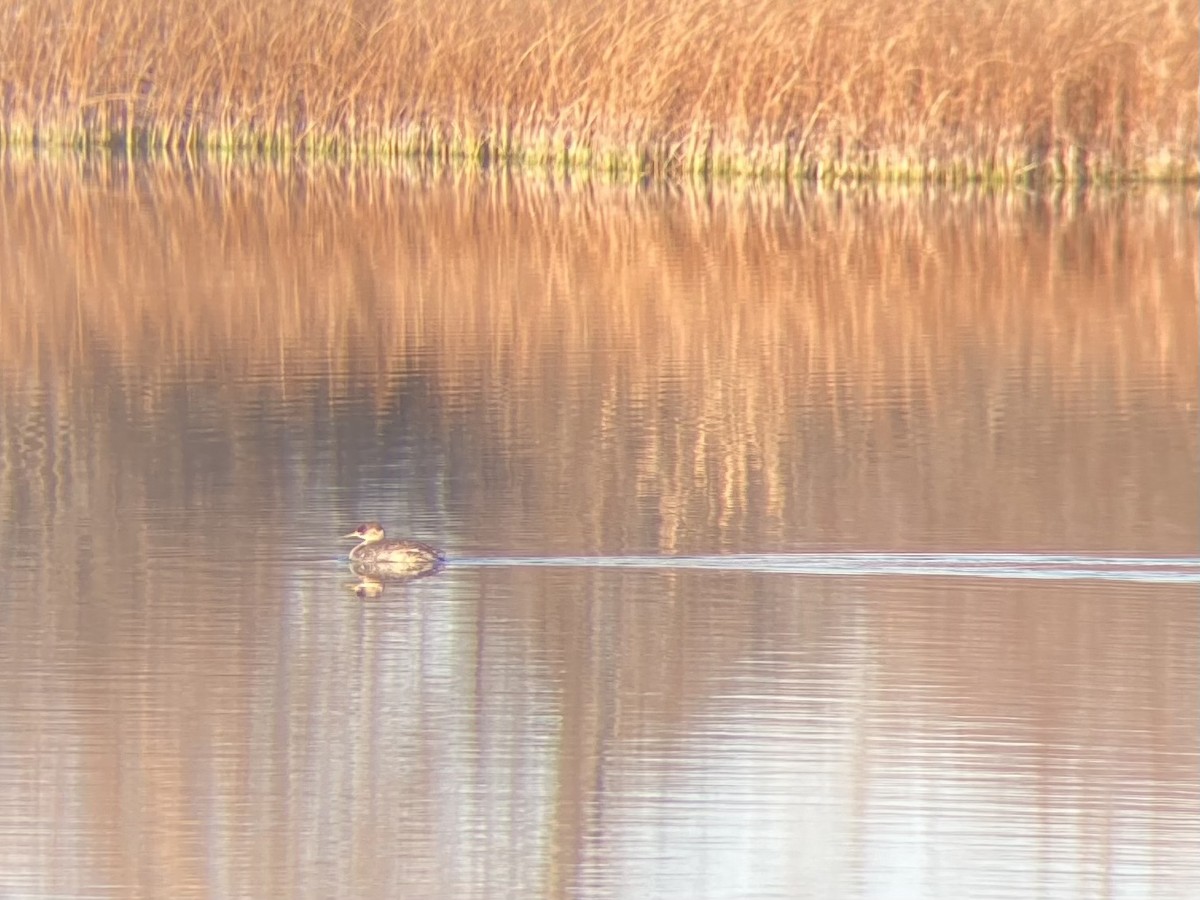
1008, 566
801, 546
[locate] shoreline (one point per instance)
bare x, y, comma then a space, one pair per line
1066, 165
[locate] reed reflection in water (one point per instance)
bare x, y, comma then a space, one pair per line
208, 376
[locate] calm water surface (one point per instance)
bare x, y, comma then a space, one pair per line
802, 546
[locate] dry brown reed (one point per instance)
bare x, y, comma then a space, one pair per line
829, 89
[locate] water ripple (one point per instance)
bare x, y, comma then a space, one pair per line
1019, 566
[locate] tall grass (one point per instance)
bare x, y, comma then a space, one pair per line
988, 90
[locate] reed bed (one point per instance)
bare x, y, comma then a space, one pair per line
977, 91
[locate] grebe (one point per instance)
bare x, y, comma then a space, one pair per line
401, 557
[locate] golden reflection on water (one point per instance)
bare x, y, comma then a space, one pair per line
590, 369
761, 339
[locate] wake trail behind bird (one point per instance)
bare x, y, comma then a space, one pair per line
1016, 566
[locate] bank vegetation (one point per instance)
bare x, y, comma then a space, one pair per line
989, 91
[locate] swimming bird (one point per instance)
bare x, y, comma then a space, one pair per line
396, 557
